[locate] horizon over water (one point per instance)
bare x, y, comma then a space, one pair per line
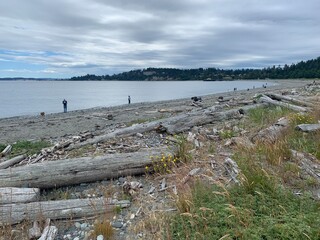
32, 97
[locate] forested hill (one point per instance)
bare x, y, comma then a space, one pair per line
307, 69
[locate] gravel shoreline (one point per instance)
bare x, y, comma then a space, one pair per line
58, 125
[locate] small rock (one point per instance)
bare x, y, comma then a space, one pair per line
117, 224
121, 180
100, 237
151, 190
76, 238
77, 225
140, 135
132, 216
84, 226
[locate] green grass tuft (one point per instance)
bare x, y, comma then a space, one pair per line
28, 147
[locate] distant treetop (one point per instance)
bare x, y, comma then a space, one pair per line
308, 69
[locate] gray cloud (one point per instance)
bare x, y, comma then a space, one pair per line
74, 37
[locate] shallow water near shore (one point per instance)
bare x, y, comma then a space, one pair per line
32, 97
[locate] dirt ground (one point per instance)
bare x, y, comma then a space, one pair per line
59, 125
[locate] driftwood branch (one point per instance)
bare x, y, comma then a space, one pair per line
138, 128
62, 209
78, 170
18, 195
12, 161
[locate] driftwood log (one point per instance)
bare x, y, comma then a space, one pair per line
6, 151
12, 161
78, 170
278, 97
308, 127
308, 163
18, 195
62, 209
266, 99
172, 125
272, 133
185, 122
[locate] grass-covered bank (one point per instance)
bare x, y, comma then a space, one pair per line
264, 204
263, 211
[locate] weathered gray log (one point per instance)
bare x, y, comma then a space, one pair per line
272, 133
278, 97
6, 151
266, 99
78, 170
18, 195
308, 163
172, 125
185, 122
61, 209
308, 127
12, 161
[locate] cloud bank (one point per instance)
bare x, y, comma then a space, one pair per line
65, 38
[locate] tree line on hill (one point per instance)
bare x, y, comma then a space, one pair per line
307, 69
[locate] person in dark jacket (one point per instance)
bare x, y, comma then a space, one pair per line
64, 102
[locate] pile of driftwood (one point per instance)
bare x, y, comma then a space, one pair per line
20, 185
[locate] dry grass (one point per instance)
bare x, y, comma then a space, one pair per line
103, 227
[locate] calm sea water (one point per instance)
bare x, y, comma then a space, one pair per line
32, 97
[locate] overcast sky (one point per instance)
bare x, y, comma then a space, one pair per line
64, 38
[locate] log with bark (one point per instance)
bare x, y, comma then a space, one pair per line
12, 161
78, 170
266, 99
18, 195
61, 209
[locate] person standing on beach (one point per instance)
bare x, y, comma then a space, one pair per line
129, 99
64, 102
